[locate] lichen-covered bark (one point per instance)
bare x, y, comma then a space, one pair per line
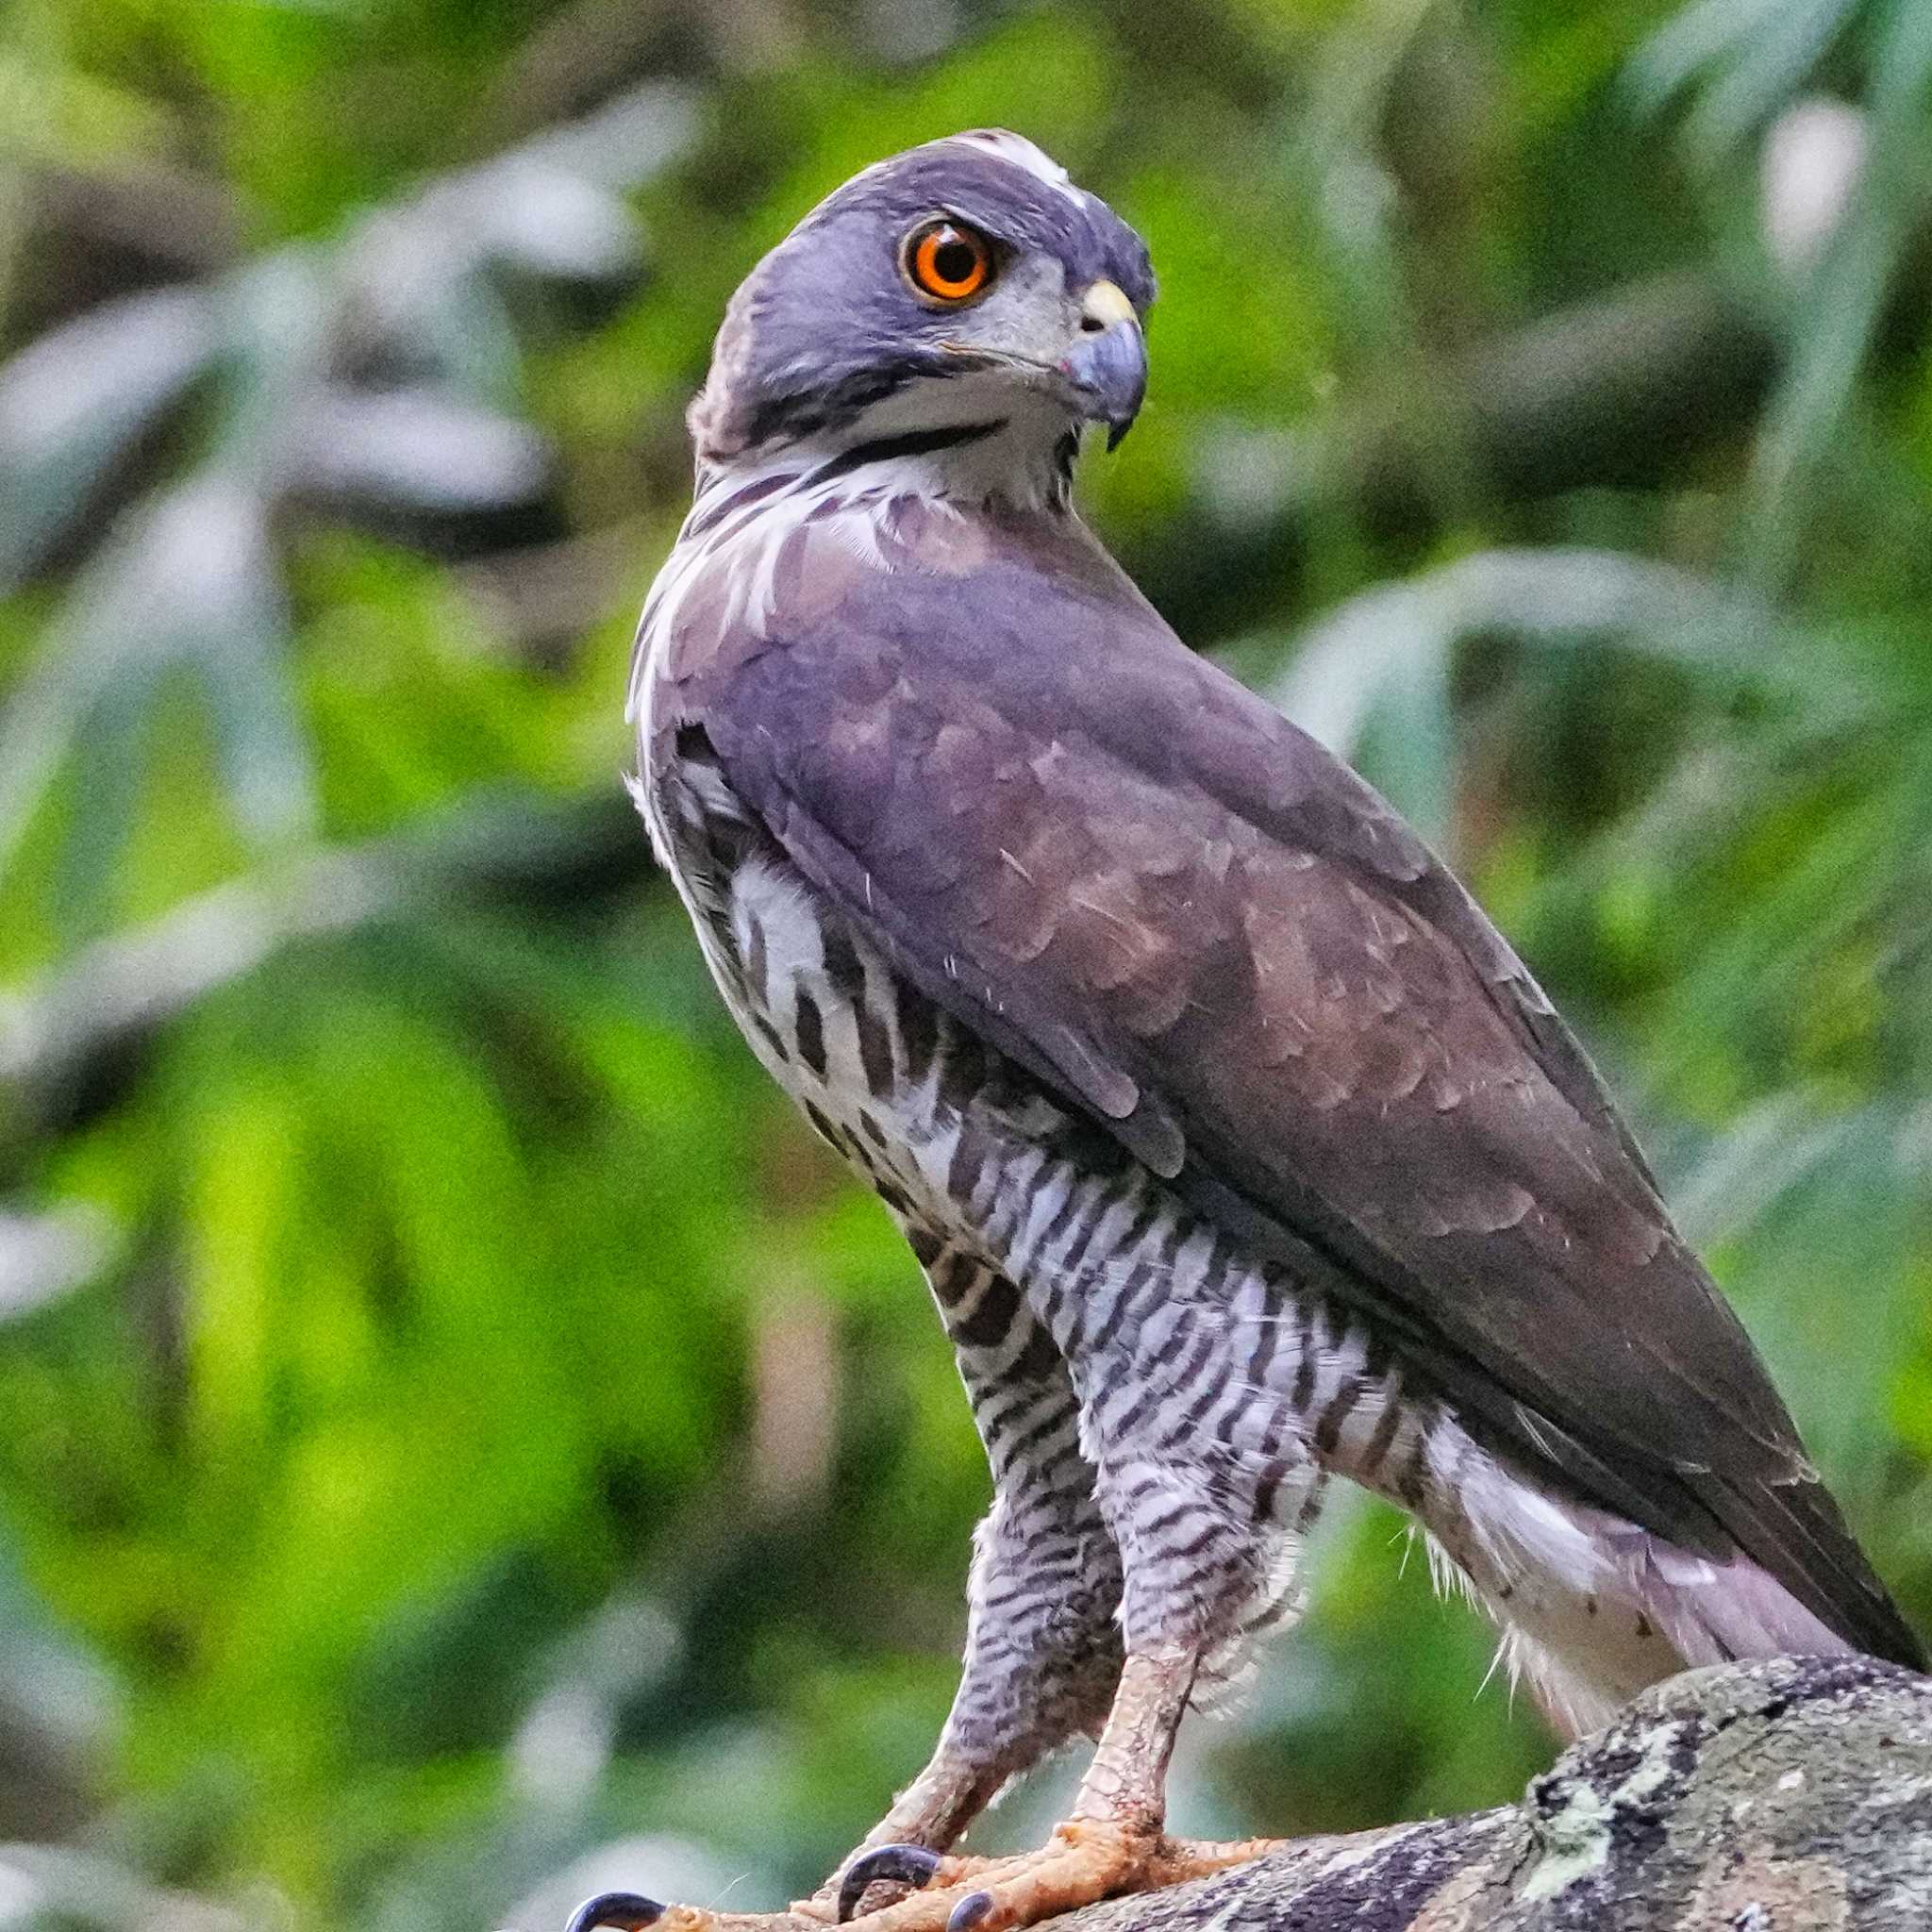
1792, 1794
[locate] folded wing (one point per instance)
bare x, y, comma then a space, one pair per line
1134, 877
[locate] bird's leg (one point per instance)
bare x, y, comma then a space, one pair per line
1043, 1650
901, 1853
1111, 1843
1198, 1543
1016, 1701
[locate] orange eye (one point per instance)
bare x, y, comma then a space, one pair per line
948, 261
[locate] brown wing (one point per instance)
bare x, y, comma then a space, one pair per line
1136, 878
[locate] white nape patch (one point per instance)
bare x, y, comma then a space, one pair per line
1023, 153
746, 545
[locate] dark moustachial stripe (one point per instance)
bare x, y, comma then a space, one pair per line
1155, 1377
1065, 455
795, 413
914, 442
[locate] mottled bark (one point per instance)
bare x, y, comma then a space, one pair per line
1786, 1795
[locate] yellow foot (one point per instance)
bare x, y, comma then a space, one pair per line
1085, 1860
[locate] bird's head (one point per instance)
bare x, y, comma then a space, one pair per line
963, 293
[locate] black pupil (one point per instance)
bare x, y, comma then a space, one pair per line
954, 259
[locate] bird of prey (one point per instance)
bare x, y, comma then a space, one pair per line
1238, 1150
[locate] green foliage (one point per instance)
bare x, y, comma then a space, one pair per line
456, 1423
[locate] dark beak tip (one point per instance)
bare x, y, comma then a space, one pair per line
1109, 375
629, 1911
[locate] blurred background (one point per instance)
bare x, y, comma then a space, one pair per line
461, 1445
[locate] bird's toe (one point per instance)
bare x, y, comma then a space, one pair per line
626, 1911
912, 1866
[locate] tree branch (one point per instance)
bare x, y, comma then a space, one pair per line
1791, 1795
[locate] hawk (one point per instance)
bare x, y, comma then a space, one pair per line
1238, 1150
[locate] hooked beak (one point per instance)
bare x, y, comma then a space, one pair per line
1107, 364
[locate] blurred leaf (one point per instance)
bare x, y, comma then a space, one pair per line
1748, 58
71, 401
186, 581
45, 1256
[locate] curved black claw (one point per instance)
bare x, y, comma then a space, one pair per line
910, 1865
630, 1911
969, 1911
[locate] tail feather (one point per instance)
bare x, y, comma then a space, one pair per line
1793, 1532
1716, 1612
